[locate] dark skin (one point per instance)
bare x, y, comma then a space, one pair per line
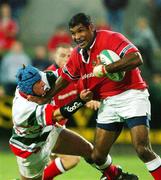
83, 36
128, 62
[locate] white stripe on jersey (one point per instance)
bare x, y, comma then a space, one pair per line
125, 49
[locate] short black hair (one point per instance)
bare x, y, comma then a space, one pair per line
80, 18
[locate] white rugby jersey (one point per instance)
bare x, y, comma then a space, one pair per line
31, 125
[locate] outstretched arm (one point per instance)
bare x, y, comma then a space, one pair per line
69, 109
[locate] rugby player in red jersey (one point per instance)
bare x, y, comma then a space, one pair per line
121, 102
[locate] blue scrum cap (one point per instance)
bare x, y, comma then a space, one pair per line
26, 77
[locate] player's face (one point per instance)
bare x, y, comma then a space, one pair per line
39, 88
82, 35
61, 55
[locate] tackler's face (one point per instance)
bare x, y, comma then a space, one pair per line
82, 35
40, 88
61, 55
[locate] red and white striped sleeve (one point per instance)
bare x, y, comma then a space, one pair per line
44, 114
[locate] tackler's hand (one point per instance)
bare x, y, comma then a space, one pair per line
93, 104
57, 116
86, 95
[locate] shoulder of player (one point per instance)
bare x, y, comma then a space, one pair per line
75, 55
103, 37
22, 109
106, 33
51, 77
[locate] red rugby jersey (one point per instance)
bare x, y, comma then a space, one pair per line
77, 67
66, 95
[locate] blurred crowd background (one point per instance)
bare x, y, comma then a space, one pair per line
31, 29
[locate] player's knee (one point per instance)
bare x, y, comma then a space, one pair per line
74, 160
98, 158
70, 161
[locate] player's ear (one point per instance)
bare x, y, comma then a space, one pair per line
92, 27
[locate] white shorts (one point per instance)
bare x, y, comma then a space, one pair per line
34, 165
118, 108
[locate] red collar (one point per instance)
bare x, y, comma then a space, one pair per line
23, 94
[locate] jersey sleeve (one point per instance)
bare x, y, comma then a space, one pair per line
44, 114
70, 70
28, 115
121, 45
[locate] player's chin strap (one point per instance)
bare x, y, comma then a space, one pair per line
72, 107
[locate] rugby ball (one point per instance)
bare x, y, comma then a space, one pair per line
108, 57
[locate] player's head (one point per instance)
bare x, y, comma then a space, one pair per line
62, 53
31, 81
82, 29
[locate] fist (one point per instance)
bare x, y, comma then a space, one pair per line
93, 104
86, 95
99, 71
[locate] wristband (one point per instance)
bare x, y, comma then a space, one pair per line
72, 107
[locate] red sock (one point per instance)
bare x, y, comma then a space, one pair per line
111, 172
156, 173
53, 169
154, 168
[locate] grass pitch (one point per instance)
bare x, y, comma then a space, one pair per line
9, 170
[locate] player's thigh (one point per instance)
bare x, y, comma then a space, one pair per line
140, 136
33, 166
72, 143
139, 130
104, 139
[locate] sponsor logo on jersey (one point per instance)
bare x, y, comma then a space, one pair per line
60, 97
87, 76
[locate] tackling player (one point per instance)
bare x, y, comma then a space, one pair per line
35, 131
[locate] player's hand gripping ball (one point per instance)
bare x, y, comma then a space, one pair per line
107, 57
